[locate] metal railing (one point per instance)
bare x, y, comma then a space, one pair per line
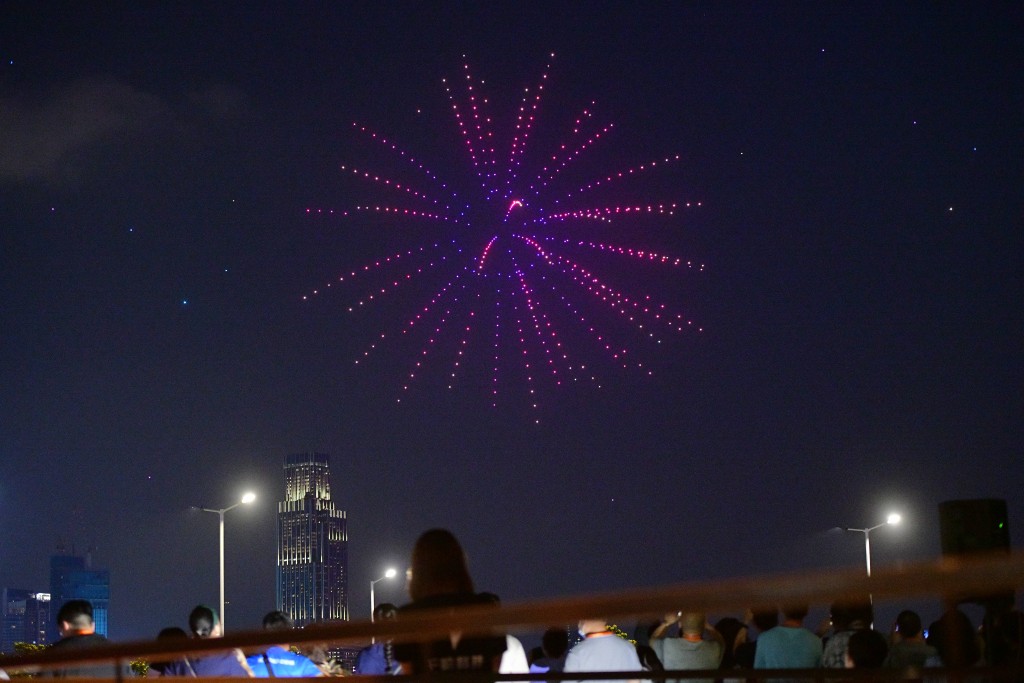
951, 579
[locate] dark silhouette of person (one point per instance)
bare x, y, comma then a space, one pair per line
954, 637
204, 623
439, 580
378, 658
173, 666
848, 616
763, 620
866, 649
78, 632
908, 649
734, 634
554, 644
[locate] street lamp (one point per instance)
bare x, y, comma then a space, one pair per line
246, 499
389, 574
892, 519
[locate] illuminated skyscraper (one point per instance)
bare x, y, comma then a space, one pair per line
26, 615
312, 544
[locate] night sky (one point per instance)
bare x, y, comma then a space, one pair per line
859, 169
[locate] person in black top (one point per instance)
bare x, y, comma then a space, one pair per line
439, 579
78, 631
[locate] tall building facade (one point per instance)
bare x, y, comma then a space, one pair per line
25, 618
312, 544
72, 577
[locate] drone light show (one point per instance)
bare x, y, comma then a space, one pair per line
526, 272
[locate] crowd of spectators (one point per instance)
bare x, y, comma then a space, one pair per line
730, 651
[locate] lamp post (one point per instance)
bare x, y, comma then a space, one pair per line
246, 499
892, 519
390, 573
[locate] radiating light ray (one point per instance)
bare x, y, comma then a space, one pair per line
405, 211
376, 264
395, 284
328, 212
605, 213
542, 327
394, 184
609, 179
619, 354
413, 321
496, 357
394, 147
524, 125
480, 153
641, 254
634, 310
460, 351
481, 123
439, 328
519, 334
561, 161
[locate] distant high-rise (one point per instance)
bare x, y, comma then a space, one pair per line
73, 578
25, 618
312, 544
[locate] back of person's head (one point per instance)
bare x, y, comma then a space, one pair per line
555, 642
730, 629
75, 613
765, 619
438, 566
385, 611
953, 636
862, 613
849, 613
866, 649
594, 625
277, 621
203, 621
1007, 645
837, 612
908, 623
159, 665
172, 633
692, 622
795, 612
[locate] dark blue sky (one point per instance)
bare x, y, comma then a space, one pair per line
859, 169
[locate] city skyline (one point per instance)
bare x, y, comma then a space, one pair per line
26, 618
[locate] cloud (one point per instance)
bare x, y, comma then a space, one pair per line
51, 138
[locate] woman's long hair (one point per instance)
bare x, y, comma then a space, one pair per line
438, 566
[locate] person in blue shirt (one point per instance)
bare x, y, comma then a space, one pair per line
204, 623
278, 661
378, 658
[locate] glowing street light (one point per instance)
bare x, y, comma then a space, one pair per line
248, 498
390, 573
893, 519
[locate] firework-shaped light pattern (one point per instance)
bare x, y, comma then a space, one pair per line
532, 290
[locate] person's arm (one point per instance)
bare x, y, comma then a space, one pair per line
715, 635
711, 633
662, 628
240, 656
